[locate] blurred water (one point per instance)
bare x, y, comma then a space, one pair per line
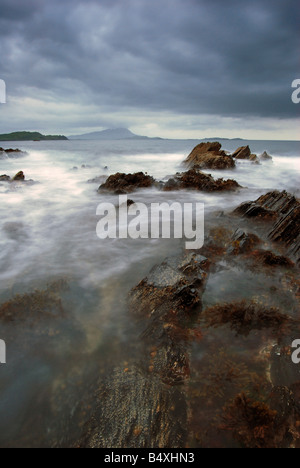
48, 231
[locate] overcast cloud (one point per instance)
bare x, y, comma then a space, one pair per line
166, 67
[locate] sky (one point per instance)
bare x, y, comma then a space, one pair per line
168, 68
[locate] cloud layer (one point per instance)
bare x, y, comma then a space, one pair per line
99, 63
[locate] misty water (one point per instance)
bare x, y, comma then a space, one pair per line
48, 237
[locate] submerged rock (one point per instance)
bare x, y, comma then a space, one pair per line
126, 183
265, 157
4, 178
209, 156
11, 153
195, 179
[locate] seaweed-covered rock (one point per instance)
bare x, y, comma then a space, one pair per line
209, 156
197, 180
150, 392
126, 183
242, 242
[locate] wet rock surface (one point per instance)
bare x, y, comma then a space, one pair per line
126, 183
150, 392
197, 180
19, 177
209, 156
282, 211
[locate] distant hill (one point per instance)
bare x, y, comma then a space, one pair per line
110, 134
29, 136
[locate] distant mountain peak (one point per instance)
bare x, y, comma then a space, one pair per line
109, 134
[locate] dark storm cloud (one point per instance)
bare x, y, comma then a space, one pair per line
230, 58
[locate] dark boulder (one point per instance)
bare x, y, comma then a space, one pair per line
209, 156
126, 183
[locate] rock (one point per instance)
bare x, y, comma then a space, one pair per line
195, 179
126, 183
97, 180
253, 158
283, 209
209, 156
254, 210
242, 242
243, 152
4, 178
265, 157
150, 392
19, 177
268, 258
11, 153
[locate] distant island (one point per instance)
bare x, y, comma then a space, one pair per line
111, 134
29, 136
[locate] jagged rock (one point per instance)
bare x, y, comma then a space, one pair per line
195, 179
126, 183
19, 177
209, 156
284, 210
243, 152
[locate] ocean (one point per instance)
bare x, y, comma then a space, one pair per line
48, 235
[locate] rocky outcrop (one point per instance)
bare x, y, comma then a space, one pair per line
209, 156
283, 210
244, 152
150, 392
197, 180
126, 183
